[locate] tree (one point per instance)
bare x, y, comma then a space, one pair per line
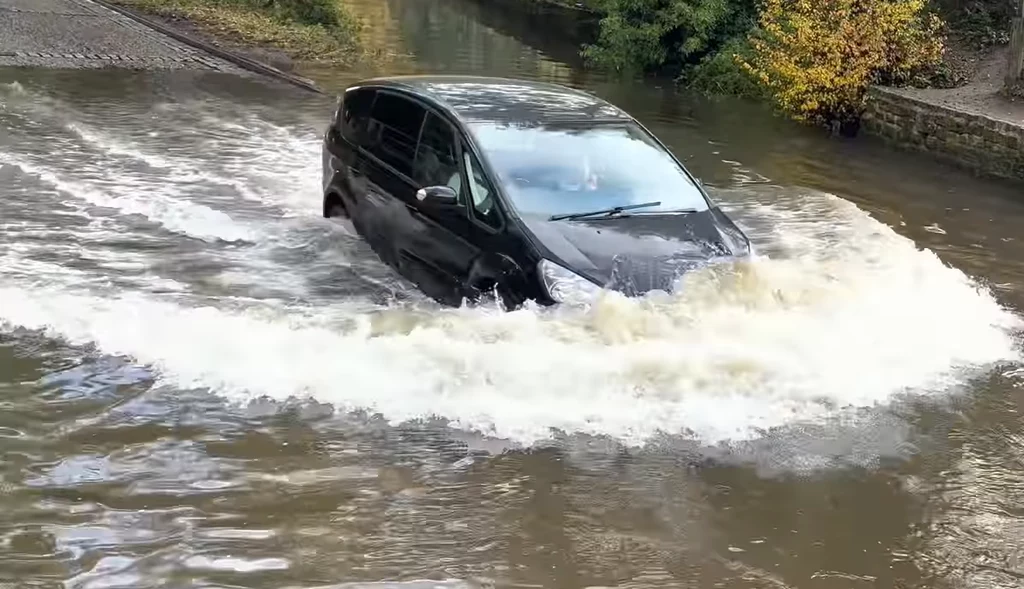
818, 57
1014, 73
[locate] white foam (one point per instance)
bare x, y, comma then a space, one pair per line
183, 169
256, 160
14, 88
262, 161
175, 214
280, 164
112, 145
742, 348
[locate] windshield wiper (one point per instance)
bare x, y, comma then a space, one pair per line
685, 210
610, 211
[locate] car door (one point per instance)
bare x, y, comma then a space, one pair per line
427, 241
502, 250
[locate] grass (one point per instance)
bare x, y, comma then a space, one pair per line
327, 34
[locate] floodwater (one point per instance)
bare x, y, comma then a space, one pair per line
205, 384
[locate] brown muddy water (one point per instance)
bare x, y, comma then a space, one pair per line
205, 384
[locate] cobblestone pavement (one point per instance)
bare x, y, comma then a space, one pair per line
82, 34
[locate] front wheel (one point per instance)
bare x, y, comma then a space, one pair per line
510, 301
501, 293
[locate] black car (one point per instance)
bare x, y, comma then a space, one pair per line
468, 185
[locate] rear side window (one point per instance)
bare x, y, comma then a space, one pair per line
394, 130
355, 114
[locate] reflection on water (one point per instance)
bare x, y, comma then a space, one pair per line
460, 37
205, 384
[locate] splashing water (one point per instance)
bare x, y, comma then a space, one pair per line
840, 311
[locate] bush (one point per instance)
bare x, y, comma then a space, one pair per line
818, 57
722, 72
303, 29
981, 23
666, 34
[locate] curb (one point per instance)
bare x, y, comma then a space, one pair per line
239, 60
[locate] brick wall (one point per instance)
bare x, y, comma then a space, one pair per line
981, 144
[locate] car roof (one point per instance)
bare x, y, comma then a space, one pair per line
481, 99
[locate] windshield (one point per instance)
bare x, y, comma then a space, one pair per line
572, 169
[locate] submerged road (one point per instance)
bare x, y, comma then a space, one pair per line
83, 34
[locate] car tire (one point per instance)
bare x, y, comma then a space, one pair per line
508, 299
482, 285
334, 207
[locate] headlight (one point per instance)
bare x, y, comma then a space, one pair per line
565, 286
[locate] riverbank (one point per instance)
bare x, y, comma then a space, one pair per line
315, 31
974, 125
925, 75
960, 86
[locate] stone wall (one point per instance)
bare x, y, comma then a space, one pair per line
984, 145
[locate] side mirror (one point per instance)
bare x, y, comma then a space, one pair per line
442, 195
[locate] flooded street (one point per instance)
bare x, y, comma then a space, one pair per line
205, 384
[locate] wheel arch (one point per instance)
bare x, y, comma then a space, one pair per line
490, 271
333, 197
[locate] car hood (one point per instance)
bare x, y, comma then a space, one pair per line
638, 253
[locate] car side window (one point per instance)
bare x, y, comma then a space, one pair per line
394, 129
355, 114
481, 192
436, 160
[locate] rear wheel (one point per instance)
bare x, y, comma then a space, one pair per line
333, 207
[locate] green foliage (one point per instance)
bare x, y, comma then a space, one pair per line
666, 34
981, 23
722, 72
813, 58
